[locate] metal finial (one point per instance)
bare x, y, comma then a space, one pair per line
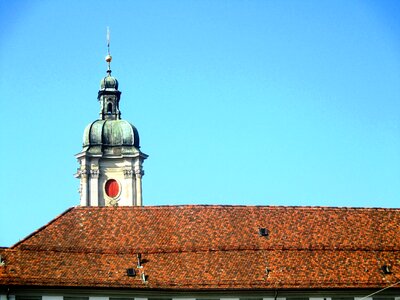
108, 57
108, 39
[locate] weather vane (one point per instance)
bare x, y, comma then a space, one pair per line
108, 57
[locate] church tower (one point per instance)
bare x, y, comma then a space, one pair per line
110, 169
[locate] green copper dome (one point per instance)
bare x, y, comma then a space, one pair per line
111, 133
109, 82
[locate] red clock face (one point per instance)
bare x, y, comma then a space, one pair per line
112, 188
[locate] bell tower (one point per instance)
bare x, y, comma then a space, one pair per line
110, 162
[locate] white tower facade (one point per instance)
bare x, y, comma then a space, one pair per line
110, 162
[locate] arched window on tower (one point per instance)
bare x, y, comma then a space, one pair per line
109, 108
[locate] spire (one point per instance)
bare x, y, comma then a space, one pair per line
108, 57
109, 94
111, 162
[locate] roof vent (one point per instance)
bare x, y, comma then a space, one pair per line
139, 260
386, 269
144, 277
2, 262
263, 231
131, 272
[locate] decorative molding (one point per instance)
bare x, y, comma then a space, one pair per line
80, 189
139, 172
78, 173
82, 173
94, 173
112, 202
128, 173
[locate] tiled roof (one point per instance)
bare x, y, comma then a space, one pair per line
210, 247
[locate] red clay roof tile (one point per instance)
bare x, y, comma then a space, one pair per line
218, 247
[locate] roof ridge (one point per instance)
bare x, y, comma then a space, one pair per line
221, 206
197, 250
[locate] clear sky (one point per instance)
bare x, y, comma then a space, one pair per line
236, 102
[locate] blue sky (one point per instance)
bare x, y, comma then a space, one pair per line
236, 102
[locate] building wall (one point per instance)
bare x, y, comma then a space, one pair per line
36, 295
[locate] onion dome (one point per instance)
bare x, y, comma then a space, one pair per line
111, 137
109, 83
110, 133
